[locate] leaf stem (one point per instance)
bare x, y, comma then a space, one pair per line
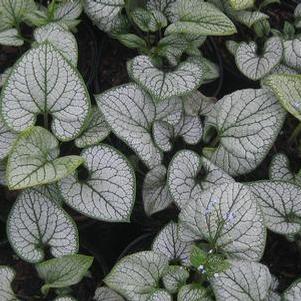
46, 120
295, 133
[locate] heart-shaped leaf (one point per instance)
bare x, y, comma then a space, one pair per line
63, 40
34, 160
287, 89
36, 222
169, 244
7, 139
160, 295
227, 216
108, 192
198, 17
130, 112
156, 196
193, 292
43, 82
256, 66
106, 294
163, 133
281, 205
247, 122
97, 130
104, 13
189, 174
162, 85
174, 278
7, 275
241, 4
292, 53
10, 37
293, 293
136, 276
64, 271
244, 280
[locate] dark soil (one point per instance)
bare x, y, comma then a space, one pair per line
102, 63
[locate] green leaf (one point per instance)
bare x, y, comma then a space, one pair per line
130, 112
229, 219
241, 4
132, 41
247, 122
47, 84
162, 85
34, 160
280, 204
136, 276
198, 17
164, 6
287, 89
96, 131
106, 294
7, 275
36, 222
64, 271
293, 293
193, 292
174, 278
256, 66
108, 193
63, 40
10, 37
244, 280
141, 18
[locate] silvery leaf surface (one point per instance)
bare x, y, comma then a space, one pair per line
293, 293
10, 37
7, 275
106, 294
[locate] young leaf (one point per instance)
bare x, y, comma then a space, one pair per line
7, 275
241, 4
36, 222
106, 294
229, 219
248, 122
10, 37
174, 278
7, 140
256, 66
63, 40
287, 89
281, 205
104, 13
293, 293
183, 176
130, 112
39, 79
96, 131
156, 196
160, 295
64, 271
162, 85
244, 280
169, 244
198, 17
136, 276
193, 292
132, 41
292, 53
34, 160
108, 193
163, 6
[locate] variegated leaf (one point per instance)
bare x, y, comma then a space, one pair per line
34, 160
10, 37
106, 294
108, 193
169, 244
162, 85
163, 134
4, 76
198, 17
160, 295
287, 88
65, 298
283, 69
241, 4
130, 112
292, 53
229, 219
174, 278
244, 280
256, 66
293, 293
281, 205
249, 18
64, 271
156, 196
7, 275
189, 174
43, 82
104, 13
248, 122
97, 130
163, 6
193, 292
36, 222
62, 39
136, 276
51, 191
7, 140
